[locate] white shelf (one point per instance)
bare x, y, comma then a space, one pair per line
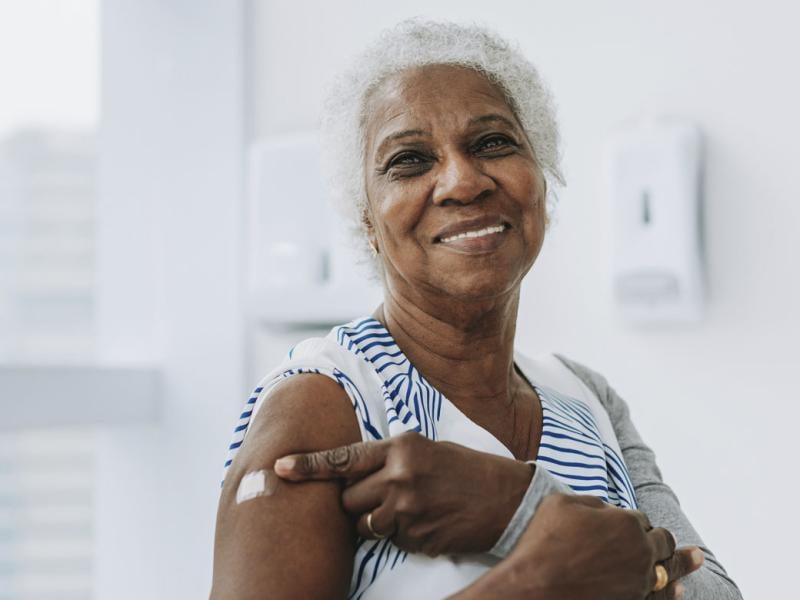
51, 396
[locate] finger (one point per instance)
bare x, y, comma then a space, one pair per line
350, 462
364, 495
383, 524
663, 543
643, 519
684, 561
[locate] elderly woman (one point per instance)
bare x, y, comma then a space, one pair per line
421, 456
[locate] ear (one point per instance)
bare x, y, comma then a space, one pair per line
366, 223
544, 202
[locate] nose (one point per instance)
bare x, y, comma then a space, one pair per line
461, 181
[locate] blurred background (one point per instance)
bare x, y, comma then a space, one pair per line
164, 240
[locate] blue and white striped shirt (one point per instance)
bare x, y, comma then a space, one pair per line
389, 397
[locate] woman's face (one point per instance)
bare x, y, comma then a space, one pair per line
455, 197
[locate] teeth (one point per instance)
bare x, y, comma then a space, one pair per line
474, 234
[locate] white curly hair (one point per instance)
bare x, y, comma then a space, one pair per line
417, 43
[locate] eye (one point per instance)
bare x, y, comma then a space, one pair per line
406, 163
494, 143
406, 159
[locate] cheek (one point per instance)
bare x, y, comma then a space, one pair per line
526, 188
398, 213
537, 222
527, 192
528, 195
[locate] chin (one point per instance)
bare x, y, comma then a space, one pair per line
480, 284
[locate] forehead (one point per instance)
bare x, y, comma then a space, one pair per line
423, 97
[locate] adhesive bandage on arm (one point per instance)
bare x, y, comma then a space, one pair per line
255, 484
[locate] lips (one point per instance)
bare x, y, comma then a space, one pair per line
474, 234
472, 228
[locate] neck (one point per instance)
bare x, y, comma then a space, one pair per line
464, 349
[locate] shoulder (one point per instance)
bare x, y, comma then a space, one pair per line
564, 375
342, 348
306, 412
321, 385
615, 406
592, 379
304, 400
570, 377
323, 356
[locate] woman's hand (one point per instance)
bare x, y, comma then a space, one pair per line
439, 497
430, 497
579, 548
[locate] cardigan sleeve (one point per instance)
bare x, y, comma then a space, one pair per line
542, 484
654, 497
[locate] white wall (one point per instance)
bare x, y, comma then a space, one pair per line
717, 401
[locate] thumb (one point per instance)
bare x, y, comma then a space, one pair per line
351, 462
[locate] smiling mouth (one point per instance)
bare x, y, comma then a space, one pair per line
485, 231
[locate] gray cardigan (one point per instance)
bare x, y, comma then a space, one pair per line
654, 497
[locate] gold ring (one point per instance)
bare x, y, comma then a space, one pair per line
377, 535
662, 578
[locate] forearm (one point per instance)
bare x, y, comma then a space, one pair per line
655, 498
542, 484
711, 581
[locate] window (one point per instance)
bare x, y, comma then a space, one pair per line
45, 515
49, 63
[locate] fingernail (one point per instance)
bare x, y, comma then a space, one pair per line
285, 464
698, 557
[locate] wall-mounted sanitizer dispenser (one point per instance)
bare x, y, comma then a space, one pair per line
656, 176
302, 270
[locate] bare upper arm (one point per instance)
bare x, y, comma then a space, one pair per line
296, 542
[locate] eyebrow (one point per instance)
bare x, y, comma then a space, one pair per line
398, 135
492, 118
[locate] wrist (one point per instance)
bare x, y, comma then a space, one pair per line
513, 483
